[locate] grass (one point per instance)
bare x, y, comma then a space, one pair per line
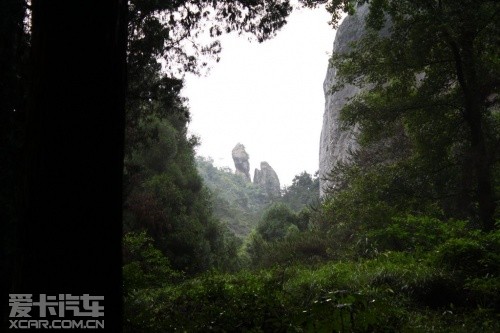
393, 292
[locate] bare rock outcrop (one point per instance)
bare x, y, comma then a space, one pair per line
335, 143
267, 179
241, 161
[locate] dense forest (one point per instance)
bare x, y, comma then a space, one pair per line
404, 239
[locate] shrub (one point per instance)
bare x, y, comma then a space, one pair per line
474, 255
144, 265
306, 247
413, 233
275, 222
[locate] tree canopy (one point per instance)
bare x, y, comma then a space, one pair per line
433, 80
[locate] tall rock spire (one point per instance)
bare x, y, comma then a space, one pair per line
268, 180
241, 163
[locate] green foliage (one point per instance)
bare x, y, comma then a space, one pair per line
394, 292
474, 254
275, 222
420, 64
261, 302
446, 277
484, 291
414, 234
166, 198
144, 265
303, 192
300, 247
292, 231
255, 248
282, 237
372, 199
165, 194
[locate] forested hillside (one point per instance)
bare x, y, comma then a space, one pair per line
405, 237
240, 204
236, 202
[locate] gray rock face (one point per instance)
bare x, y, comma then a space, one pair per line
240, 158
267, 178
336, 144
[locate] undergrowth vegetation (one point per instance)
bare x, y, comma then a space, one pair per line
450, 284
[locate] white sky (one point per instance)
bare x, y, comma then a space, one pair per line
267, 96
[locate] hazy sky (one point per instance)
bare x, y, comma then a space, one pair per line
267, 96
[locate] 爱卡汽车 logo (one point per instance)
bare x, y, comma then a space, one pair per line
46, 308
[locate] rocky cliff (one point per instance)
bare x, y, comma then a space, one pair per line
336, 144
241, 163
267, 179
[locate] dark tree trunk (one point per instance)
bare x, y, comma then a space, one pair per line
71, 231
473, 111
13, 52
481, 162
